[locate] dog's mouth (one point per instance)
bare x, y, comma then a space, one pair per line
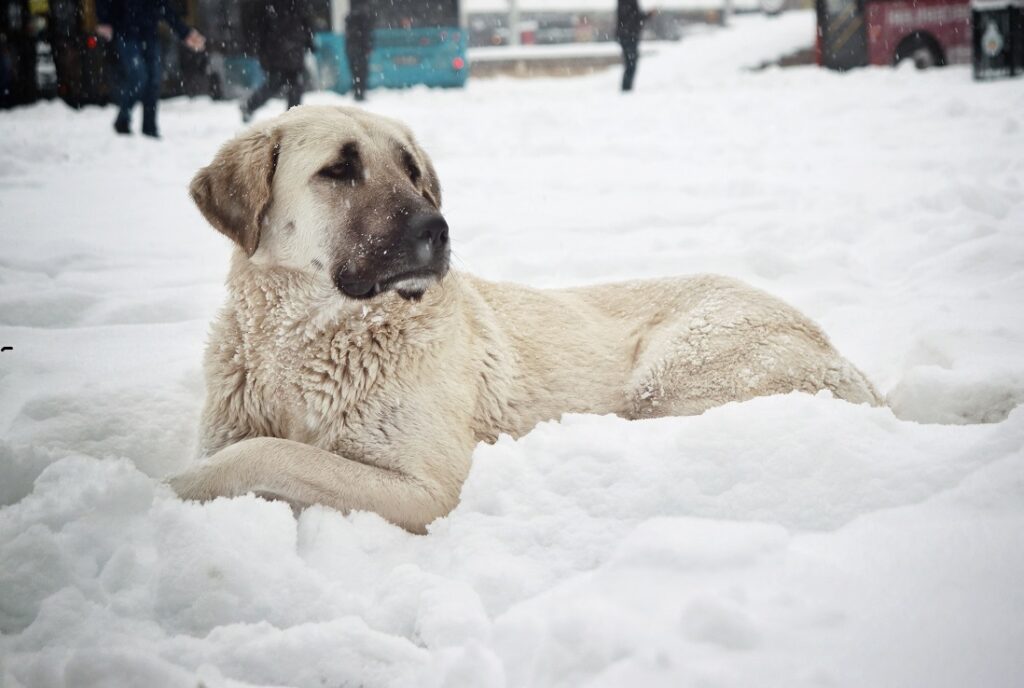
409, 285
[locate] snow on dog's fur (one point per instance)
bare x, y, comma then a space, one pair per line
350, 367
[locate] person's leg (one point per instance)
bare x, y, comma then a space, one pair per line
359, 65
131, 74
294, 82
270, 87
151, 91
357, 69
630, 57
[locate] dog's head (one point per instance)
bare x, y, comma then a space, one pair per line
335, 192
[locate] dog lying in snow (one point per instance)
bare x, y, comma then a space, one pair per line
351, 367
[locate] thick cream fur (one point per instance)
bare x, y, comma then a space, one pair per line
377, 405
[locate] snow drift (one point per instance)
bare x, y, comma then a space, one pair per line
790, 541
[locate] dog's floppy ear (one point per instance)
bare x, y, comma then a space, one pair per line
233, 191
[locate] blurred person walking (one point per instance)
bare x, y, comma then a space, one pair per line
284, 32
629, 25
358, 44
132, 26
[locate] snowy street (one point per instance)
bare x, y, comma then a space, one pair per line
787, 541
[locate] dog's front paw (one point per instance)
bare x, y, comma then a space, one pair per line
195, 485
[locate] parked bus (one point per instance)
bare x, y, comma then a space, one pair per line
414, 42
856, 33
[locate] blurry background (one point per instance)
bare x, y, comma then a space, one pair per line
49, 48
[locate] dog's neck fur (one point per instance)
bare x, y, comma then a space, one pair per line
340, 352
294, 303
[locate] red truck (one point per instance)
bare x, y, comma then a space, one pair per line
855, 33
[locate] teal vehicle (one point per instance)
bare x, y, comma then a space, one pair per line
414, 43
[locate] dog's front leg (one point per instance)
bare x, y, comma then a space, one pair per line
304, 475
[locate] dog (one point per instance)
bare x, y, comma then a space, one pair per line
351, 367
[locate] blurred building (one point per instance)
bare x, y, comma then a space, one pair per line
545, 22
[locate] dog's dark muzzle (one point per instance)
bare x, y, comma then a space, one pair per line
418, 258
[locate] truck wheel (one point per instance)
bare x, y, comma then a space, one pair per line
921, 49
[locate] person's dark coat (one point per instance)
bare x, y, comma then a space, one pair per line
137, 20
358, 33
629, 22
284, 34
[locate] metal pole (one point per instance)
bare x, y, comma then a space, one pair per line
513, 22
339, 10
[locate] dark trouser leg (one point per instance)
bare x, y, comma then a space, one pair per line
269, 88
293, 84
132, 73
630, 57
359, 63
151, 90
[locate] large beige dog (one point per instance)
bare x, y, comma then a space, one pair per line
350, 367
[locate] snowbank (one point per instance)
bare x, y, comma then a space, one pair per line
787, 541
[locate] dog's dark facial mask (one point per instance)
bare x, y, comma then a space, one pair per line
394, 237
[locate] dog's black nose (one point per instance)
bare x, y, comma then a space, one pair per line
428, 227
429, 235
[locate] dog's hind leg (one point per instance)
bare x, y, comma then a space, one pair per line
303, 475
690, 370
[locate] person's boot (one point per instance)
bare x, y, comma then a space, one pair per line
149, 123
121, 126
246, 113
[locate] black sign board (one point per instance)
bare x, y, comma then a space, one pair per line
998, 39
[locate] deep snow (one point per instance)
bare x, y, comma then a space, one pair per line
786, 541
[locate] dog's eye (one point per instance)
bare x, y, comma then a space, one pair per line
344, 171
411, 168
348, 168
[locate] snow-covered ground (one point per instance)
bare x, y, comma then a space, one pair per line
786, 541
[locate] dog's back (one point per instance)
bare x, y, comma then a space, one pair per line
673, 346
